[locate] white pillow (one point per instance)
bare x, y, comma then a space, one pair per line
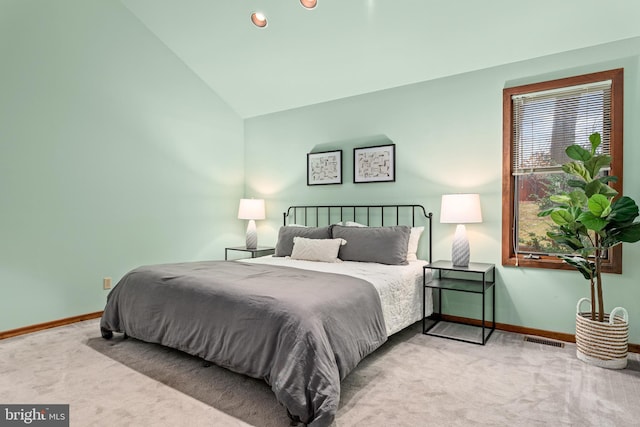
324, 250
414, 239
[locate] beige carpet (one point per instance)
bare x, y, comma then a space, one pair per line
413, 380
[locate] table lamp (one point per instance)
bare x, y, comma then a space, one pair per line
460, 209
251, 209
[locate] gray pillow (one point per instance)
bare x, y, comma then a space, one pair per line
284, 247
384, 245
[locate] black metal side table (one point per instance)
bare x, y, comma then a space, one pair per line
477, 278
259, 251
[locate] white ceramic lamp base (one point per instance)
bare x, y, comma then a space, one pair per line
252, 235
460, 252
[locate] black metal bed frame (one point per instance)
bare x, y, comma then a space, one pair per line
311, 215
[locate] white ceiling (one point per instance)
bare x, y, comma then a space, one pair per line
349, 47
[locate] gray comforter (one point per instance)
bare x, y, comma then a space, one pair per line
301, 331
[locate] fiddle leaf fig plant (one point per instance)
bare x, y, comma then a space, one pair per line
590, 219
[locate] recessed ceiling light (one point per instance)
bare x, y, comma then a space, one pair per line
309, 4
258, 19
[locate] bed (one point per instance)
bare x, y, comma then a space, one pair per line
342, 279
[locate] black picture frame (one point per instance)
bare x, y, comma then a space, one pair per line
324, 168
374, 164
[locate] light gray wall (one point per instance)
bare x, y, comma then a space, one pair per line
113, 154
448, 134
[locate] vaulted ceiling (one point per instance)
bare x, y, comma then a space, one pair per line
349, 47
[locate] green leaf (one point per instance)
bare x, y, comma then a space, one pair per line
576, 152
607, 191
595, 140
562, 217
566, 239
587, 268
575, 211
578, 198
546, 212
562, 199
599, 205
596, 163
608, 178
592, 222
577, 169
623, 211
576, 183
630, 234
593, 187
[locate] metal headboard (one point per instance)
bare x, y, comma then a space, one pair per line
371, 215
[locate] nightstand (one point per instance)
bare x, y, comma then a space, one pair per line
478, 278
259, 251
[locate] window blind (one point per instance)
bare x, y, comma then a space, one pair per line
545, 123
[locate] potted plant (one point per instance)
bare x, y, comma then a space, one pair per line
590, 220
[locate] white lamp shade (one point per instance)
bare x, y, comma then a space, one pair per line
460, 209
251, 209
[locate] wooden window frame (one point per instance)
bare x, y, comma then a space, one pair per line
509, 258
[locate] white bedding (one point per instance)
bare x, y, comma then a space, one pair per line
399, 286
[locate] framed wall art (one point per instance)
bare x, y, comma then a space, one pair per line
374, 164
324, 168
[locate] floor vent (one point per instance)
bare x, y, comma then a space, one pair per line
544, 341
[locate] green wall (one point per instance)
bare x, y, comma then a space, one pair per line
113, 154
448, 134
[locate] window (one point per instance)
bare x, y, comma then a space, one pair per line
539, 121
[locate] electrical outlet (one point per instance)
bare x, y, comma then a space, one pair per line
106, 283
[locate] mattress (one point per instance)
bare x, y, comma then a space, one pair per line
399, 286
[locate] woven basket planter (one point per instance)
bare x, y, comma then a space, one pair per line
603, 344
